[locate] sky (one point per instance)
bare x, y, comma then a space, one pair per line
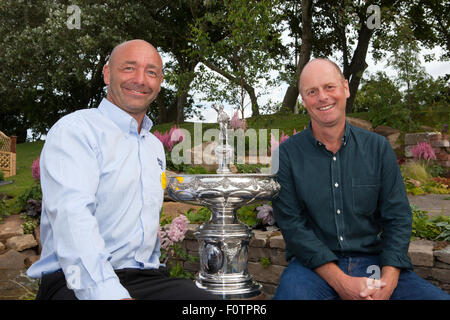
435, 69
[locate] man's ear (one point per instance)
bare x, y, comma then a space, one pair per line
106, 74
346, 88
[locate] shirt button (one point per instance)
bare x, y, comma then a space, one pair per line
336, 185
334, 158
340, 238
338, 211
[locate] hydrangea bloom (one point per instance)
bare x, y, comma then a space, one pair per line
178, 228
36, 170
265, 212
423, 150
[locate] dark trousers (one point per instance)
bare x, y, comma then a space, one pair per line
151, 284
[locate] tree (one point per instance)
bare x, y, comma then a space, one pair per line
245, 50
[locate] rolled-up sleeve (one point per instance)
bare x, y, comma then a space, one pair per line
291, 217
69, 179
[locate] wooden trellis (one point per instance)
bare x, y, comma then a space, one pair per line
7, 155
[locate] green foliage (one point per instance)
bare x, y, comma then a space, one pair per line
265, 262
2, 176
164, 219
418, 178
29, 224
248, 215
249, 168
32, 193
434, 228
203, 214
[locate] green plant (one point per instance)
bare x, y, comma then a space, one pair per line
265, 262
248, 215
32, 193
2, 176
434, 228
201, 215
29, 224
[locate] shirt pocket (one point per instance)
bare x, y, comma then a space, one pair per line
365, 195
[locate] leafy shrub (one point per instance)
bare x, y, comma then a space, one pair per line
434, 228
2, 176
203, 214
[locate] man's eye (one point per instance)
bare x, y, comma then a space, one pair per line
311, 92
128, 68
152, 73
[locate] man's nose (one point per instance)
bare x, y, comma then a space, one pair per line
139, 76
322, 95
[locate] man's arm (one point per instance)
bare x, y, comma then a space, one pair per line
69, 179
301, 241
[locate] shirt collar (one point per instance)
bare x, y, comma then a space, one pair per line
122, 119
316, 142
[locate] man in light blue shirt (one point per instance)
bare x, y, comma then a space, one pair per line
102, 195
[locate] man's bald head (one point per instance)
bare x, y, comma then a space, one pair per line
131, 43
311, 63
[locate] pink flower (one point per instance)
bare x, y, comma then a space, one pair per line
169, 139
36, 170
274, 143
236, 123
178, 228
423, 150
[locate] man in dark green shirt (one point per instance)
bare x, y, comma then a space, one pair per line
342, 207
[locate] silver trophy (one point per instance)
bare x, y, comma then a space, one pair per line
224, 240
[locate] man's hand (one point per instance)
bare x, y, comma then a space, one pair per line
347, 287
389, 279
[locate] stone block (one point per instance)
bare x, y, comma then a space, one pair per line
191, 229
442, 275
270, 274
443, 255
421, 253
441, 265
414, 138
30, 260
11, 227
2, 247
259, 239
277, 242
255, 253
12, 260
278, 257
423, 272
191, 245
20, 243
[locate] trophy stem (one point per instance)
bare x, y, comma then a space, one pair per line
223, 250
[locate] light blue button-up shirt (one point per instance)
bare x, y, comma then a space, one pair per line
102, 196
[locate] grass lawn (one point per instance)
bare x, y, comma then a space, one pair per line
26, 153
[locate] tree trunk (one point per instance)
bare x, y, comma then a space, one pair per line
356, 69
292, 92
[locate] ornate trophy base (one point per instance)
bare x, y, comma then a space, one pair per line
223, 258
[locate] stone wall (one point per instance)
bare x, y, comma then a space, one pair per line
438, 141
430, 261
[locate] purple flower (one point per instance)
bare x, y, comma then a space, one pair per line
236, 123
265, 213
35, 170
423, 150
178, 228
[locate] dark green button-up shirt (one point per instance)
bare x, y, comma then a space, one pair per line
350, 202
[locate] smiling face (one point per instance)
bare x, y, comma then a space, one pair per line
133, 76
324, 93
